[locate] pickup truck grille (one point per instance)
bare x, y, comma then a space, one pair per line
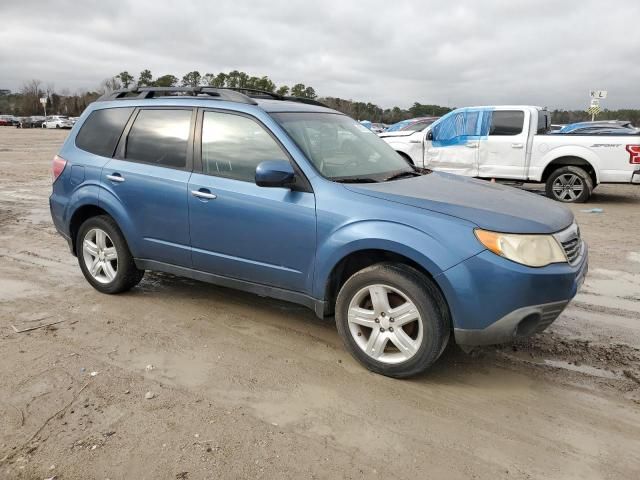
571, 243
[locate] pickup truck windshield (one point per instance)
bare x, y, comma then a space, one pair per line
342, 149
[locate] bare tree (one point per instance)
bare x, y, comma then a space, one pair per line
108, 85
31, 92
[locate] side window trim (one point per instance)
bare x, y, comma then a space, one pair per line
304, 184
122, 143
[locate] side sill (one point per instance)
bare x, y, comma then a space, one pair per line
318, 306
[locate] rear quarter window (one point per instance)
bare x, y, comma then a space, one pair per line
102, 129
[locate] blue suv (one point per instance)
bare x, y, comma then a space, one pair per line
286, 198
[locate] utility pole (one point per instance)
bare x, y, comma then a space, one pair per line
43, 101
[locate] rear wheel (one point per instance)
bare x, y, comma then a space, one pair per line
104, 257
569, 184
392, 319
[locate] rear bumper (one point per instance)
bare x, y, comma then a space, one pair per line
56, 210
493, 300
635, 177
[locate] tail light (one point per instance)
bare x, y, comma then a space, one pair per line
634, 154
58, 166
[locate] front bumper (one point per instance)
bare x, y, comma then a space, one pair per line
493, 300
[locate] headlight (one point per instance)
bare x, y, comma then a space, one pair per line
531, 250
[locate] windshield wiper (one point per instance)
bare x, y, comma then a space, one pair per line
355, 180
403, 174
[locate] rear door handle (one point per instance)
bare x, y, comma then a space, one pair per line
204, 194
517, 145
116, 177
471, 145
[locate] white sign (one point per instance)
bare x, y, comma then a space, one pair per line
595, 102
598, 94
43, 100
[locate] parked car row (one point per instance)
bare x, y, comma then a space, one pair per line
35, 121
8, 121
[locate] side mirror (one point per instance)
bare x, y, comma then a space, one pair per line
430, 135
275, 173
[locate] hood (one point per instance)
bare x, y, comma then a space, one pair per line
490, 206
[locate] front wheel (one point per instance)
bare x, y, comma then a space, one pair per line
392, 319
104, 257
570, 185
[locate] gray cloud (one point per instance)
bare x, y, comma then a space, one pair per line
391, 52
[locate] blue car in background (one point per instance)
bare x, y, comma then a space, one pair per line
412, 124
602, 127
289, 199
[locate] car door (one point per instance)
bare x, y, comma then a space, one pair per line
149, 177
238, 229
503, 153
452, 142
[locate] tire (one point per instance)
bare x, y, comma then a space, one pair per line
115, 275
57, 126
408, 289
569, 184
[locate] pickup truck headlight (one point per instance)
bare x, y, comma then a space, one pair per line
530, 250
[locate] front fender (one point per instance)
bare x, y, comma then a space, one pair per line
427, 251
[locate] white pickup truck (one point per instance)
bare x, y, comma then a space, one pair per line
514, 143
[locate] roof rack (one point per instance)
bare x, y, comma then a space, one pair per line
255, 93
231, 94
151, 92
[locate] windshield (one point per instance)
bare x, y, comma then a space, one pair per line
417, 126
341, 148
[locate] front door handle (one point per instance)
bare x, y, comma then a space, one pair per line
204, 194
517, 145
116, 177
471, 145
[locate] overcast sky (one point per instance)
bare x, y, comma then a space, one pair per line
391, 52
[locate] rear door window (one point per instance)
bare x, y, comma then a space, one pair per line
102, 129
506, 122
160, 137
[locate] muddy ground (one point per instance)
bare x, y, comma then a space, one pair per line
245, 387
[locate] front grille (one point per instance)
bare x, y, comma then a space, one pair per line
572, 249
571, 243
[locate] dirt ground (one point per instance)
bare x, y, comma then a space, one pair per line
245, 387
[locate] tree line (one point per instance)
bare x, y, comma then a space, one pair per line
27, 100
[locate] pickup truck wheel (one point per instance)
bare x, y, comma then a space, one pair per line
104, 257
569, 184
392, 319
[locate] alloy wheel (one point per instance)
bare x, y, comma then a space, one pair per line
567, 187
385, 324
100, 255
